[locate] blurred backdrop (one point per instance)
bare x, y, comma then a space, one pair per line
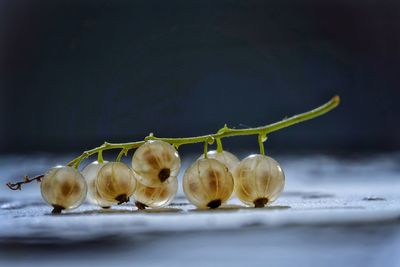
77, 73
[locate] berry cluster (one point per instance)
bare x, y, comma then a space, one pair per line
151, 179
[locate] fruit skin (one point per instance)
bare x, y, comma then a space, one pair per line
115, 182
63, 187
225, 157
156, 197
259, 180
90, 173
207, 183
155, 163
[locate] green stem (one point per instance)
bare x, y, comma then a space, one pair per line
205, 150
123, 152
222, 133
220, 148
100, 156
261, 144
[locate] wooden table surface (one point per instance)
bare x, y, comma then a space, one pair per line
334, 211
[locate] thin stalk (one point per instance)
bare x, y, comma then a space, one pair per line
225, 131
100, 157
261, 144
221, 133
205, 150
220, 148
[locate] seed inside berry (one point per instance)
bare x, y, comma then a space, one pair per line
260, 202
164, 174
214, 204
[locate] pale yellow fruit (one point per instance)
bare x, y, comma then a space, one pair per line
155, 163
225, 157
63, 188
207, 183
90, 173
115, 182
156, 197
259, 180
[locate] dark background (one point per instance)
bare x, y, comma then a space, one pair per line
77, 73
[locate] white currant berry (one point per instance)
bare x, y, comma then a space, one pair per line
207, 183
63, 188
156, 162
115, 182
90, 173
259, 180
156, 197
225, 157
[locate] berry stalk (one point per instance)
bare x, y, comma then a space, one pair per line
206, 139
222, 133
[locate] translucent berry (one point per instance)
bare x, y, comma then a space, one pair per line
156, 162
227, 158
156, 197
115, 182
207, 183
258, 180
90, 173
63, 188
